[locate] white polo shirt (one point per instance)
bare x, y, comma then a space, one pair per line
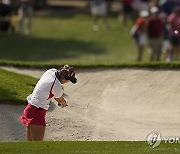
48, 86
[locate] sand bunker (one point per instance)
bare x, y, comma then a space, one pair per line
106, 104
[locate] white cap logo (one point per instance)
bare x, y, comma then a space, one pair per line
154, 140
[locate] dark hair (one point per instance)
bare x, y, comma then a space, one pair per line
67, 73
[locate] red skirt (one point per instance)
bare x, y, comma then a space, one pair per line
33, 115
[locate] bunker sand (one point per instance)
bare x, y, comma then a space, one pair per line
107, 104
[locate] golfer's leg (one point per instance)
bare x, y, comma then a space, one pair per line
37, 132
28, 133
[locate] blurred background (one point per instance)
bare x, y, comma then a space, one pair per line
89, 32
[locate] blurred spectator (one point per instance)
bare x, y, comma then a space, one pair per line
168, 6
5, 16
5, 8
109, 5
138, 31
153, 3
177, 3
174, 21
140, 5
25, 15
155, 34
6, 2
127, 11
99, 10
166, 46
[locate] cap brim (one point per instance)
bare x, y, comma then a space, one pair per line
73, 79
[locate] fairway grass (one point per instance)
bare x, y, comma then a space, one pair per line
70, 39
86, 147
56, 41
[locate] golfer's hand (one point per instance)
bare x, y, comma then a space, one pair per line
61, 102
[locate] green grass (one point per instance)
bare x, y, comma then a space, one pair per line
14, 88
146, 65
70, 39
72, 147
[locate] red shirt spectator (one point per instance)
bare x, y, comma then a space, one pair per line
141, 23
127, 2
155, 27
174, 20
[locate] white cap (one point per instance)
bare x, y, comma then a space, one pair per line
154, 9
144, 13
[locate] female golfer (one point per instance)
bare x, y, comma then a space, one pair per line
49, 86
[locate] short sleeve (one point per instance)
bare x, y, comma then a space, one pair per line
140, 22
57, 90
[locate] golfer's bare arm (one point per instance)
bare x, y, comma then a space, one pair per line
61, 101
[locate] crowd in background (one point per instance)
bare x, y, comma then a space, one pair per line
25, 11
157, 24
